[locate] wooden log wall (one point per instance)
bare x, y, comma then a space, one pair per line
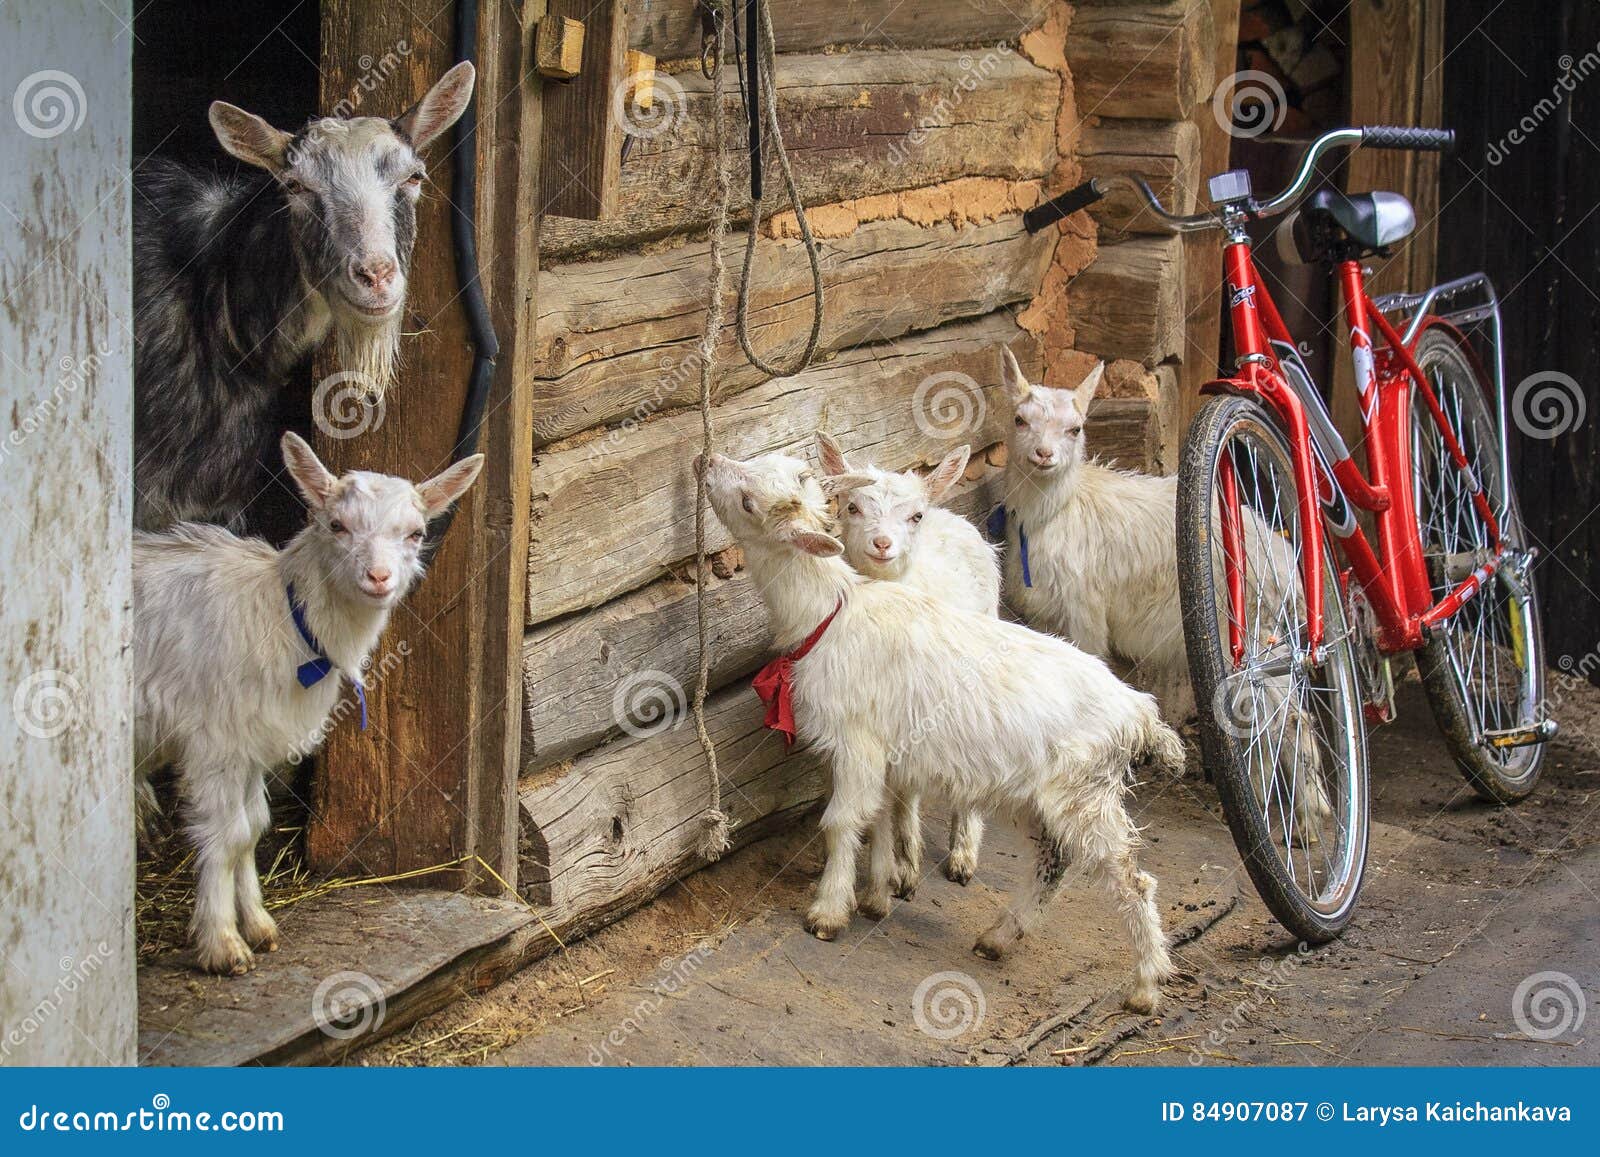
919, 133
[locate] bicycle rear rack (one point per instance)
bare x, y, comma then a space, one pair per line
1472, 319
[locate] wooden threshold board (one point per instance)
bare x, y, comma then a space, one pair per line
415, 951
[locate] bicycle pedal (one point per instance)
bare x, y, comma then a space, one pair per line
1541, 732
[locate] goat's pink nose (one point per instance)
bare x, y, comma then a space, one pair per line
376, 273
1042, 455
378, 575
882, 543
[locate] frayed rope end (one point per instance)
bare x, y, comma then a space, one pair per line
716, 839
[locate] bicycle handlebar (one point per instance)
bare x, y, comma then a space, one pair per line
1372, 136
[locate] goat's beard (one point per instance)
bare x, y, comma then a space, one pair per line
369, 350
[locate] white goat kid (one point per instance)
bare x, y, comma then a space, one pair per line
229, 685
892, 530
1100, 565
900, 689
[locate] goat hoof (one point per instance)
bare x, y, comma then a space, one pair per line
261, 934
988, 949
958, 873
230, 957
873, 908
1143, 1001
906, 887
825, 926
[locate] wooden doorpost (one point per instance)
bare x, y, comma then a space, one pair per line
433, 778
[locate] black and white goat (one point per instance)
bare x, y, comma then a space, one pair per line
238, 278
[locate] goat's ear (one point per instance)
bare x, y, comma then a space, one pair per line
1011, 376
816, 543
444, 488
947, 473
838, 483
314, 480
831, 455
1084, 394
440, 107
249, 138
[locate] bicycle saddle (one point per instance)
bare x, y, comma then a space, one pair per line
1372, 220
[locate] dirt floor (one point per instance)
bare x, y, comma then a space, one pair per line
1463, 904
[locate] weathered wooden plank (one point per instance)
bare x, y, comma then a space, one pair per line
1145, 60
1165, 153
670, 29
580, 150
625, 821
870, 123
434, 777
613, 513
1129, 302
619, 339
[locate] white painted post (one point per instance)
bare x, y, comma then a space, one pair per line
67, 991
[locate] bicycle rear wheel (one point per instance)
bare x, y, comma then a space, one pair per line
1484, 671
1284, 736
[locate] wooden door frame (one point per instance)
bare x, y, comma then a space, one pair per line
433, 780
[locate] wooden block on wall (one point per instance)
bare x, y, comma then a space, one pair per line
558, 49
1129, 302
1145, 60
1165, 153
581, 148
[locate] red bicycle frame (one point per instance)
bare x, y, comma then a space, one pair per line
1395, 576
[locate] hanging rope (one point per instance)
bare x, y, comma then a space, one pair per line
765, 54
714, 840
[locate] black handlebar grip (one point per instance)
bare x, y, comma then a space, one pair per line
1400, 137
1062, 206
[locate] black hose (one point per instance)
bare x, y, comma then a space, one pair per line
464, 234
752, 96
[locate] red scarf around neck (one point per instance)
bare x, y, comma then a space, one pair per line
775, 682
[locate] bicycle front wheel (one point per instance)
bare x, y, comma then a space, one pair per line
1484, 671
1282, 731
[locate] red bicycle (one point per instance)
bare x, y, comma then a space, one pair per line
1289, 651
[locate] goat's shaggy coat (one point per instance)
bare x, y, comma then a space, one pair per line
216, 652
1102, 548
892, 530
237, 279
903, 690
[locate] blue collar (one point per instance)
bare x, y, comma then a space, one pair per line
318, 669
997, 530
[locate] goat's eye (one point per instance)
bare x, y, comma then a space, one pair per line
1074, 431
414, 181
853, 508
749, 504
293, 186
917, 517
336, 526
1022, 422
414, 536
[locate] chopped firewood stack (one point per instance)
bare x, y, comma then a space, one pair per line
1301, 45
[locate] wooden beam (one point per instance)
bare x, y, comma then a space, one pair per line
581, 148
1202, 252
610, 515
885, 122
1165, 153
558, 49
1129, 302
671, 28
430, 780
624, 821
1142, 60
619, 338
